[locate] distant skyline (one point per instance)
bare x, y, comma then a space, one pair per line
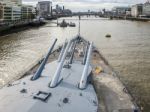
84, 5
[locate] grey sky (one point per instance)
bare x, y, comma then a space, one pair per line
77, 5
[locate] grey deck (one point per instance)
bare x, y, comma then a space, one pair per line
110, 90
12, 100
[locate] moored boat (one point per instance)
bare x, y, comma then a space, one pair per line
72, 24
63, 24
38, 21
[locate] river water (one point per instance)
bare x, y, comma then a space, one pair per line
128, 50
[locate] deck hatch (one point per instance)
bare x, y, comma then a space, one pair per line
43, 96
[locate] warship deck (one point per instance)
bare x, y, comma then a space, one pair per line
111, 93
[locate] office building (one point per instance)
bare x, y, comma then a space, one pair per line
13, 10
120, 11
11, 2
44, 8
9, 13
136, 10
27, 12
146, 9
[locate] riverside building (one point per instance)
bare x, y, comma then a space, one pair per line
44, 9
18, 2
136, 10
146, 9
14, 10
27, 12
120, 11
9, 13
11, 2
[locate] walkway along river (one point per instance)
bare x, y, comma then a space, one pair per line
128, 50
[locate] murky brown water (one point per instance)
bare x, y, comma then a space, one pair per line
128, 51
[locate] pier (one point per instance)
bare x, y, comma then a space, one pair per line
5, 26
130, 18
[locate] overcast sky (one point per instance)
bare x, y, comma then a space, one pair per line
83, 5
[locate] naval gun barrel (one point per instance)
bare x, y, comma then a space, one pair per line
62, 51
70, 48
73, 50
42, 65
83, 81
55, 78
85, 54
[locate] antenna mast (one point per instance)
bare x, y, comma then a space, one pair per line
79, 25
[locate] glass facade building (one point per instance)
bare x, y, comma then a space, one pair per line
146, 9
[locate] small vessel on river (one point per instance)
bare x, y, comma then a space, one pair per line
72, 24
63, 24
38, 21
